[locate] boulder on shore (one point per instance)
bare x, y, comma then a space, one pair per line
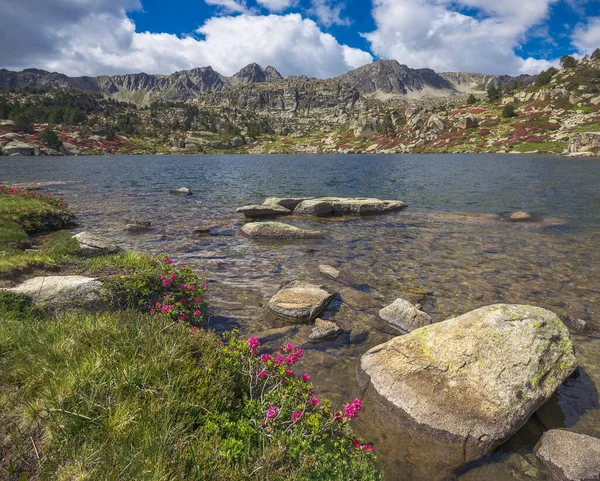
92, 245
263, 210
570, 456
300, 301
404, 316
278, 231
59, 293
16, 147
473, 380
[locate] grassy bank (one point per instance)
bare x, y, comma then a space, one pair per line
139, 391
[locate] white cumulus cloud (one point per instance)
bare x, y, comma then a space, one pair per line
436, 34
99, 38
229, 6
586, 37
328, 12
276, 5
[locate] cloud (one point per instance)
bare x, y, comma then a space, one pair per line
435, 34
229, 6
276, 5
328, 14
97, 38
586, 37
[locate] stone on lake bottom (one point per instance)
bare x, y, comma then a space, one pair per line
405, 317
324, 331
300, 301
263, 210
278, 231
570, 456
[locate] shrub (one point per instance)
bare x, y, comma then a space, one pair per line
566, 61
49, 137
545, 77
471, 100
494, 93
23, 121
509, 111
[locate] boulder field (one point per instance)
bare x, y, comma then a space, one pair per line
473, 380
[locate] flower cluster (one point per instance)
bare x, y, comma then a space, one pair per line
183, 294
32, 194
283, 402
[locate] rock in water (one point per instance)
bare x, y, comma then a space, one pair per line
314, 207
58, 293
263, 210
570, 456
278, 231
300, 301
404, 316
183, 191
288, 202
473, 380
362, 206
92, 245
520, 217
324, 331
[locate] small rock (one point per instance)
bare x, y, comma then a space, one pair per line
324, 331
278, 231
404, 316
288, 202
570, 456
520, 217
329, 271
92, 245
577, 325
263, 210
357, 299
300, 301
183, 191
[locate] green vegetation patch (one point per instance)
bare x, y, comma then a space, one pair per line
542, 147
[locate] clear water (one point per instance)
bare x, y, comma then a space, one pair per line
450, 241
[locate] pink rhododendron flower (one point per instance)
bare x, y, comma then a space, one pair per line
272, 412
195, 329
352, 409
191, 288
299, 352
263, 374
266, 357
173, 276
305, 377
197, 300
197, 313
289, 347
279, 360
296, 415
356, 443
152, 310
315, 401
367, 447
169, 260
289, 372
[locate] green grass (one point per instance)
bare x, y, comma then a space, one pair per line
542, 147
10, 232
594, 127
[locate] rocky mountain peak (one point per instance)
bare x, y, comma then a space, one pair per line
254, 73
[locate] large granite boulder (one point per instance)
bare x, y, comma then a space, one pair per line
92, 245
474, 380
263, 210
404, 316
570, 456
58, 293
16, 147
300, 301
278, 231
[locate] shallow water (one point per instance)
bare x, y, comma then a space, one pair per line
451, 241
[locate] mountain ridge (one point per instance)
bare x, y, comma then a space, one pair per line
383, 80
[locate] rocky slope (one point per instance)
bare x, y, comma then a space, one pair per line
384, 80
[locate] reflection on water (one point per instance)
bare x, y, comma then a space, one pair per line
450, 251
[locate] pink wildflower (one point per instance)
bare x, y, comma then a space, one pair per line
191, 288
279, 360
289, 347
272, 412
183, 318
352, 409
152, 310
166, 282
315, 401
183, 287
296, 415
356, 443
253, 344
197, 313
169, 260
195, 329
299, 352
367, 447
289, 372
266, 357
262, 374
197, 300
305, 377
173, 276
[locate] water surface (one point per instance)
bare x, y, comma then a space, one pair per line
451, 241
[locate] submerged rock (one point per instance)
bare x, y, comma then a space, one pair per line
473, 380
183, 191
58, 293
278, 231
404, 316
570, 456
263, 210
92, 245
324, 331
300, 301
520, 217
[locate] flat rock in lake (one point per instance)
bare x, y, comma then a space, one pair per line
363, 206
59, 293
300, 301
288, 202
570, 456
278, 231
182, 191
473, 380
263, 210
314, 207
520, 217
324, 331
405, 317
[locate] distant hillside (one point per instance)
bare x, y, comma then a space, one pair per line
384, 80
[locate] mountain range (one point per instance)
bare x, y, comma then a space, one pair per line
383, 80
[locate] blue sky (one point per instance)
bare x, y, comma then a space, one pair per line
321, 38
